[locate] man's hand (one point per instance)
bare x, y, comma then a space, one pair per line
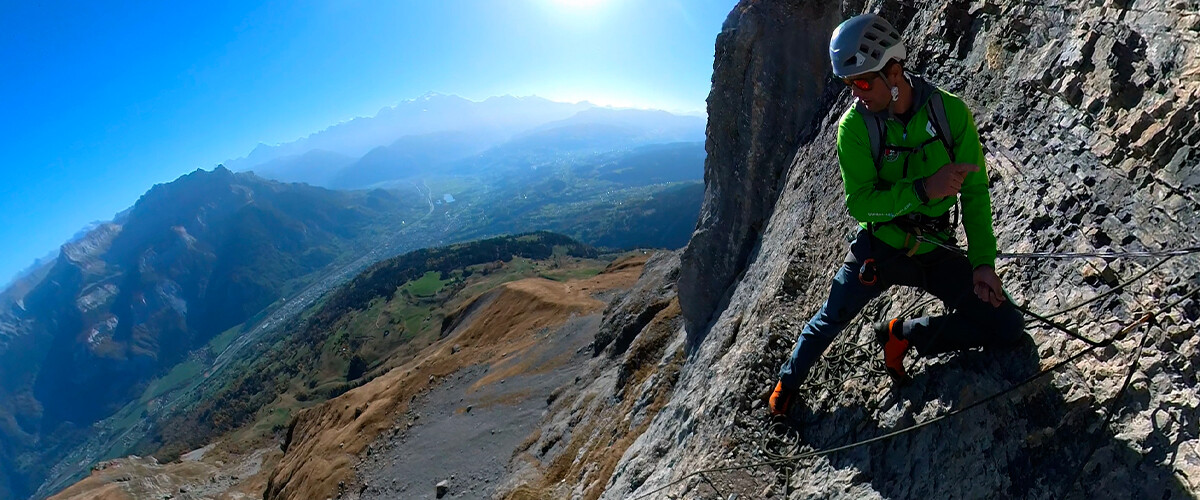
948, 180
988, 286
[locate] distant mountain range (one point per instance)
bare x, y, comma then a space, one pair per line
496, 116
464, 137
410, 156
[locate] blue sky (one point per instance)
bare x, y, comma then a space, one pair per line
102, 100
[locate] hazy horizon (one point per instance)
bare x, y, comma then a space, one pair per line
701, 113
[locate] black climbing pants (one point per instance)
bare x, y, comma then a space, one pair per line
944, 274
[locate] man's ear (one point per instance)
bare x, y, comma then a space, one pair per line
895, 71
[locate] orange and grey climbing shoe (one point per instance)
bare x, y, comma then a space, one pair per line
781, 400
894, 348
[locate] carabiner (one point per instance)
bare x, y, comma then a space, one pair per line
868, 274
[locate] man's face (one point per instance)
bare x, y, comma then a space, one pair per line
871, 90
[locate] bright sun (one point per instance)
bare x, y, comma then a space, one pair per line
579, 3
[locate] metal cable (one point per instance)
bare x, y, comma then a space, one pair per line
887, 436
1123, 333
1112, 410
1120, 286
1103, 255
1070, 255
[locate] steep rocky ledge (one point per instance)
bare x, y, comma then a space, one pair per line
1089, 119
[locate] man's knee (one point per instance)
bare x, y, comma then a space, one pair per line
1009, 329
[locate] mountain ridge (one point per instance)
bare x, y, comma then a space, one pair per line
429, 113
473, 149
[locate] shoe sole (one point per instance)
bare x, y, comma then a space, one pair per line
898, 379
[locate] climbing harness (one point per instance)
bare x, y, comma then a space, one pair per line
915, 227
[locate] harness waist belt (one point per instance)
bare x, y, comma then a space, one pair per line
920, 223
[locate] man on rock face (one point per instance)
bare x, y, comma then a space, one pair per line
907, 152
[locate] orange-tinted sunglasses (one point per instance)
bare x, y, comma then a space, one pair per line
863, 83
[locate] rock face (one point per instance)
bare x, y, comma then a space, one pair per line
628, 315
762, 106
1088, 116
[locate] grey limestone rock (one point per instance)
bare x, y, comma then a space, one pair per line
626, 316
762, 105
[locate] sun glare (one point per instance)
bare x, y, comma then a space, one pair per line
581, 13
582, 4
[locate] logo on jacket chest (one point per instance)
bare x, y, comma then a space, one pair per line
892, 153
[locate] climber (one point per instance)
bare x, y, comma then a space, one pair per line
907, 151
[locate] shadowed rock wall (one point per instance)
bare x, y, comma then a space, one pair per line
761, 106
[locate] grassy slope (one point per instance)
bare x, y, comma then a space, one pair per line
384, 334
413, 322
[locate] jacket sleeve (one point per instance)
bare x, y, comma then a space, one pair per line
867, 198
976, 201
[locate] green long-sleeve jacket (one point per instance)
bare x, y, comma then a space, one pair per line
872, 201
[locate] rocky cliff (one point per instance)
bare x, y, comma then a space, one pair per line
1088, 114
764, 102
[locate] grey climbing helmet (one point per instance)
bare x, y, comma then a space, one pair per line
863, 44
